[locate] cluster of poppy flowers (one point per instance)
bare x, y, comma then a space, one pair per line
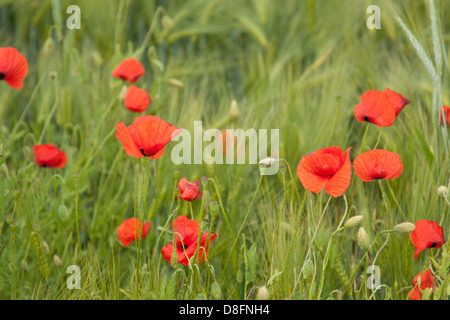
328, 169
147, 137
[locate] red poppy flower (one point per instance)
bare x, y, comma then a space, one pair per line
146, 137
426, 281
129, 70
13, 67
378, 164
445, 116
130, 229
327, 169
137, 100
380, 107
186, 241
427, 234
189, 191
47, 155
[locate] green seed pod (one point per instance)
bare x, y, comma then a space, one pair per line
405, 227
9, 219
363, 239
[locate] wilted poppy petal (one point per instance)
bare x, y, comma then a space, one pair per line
136, 99
47, 155
13, 67
189, 191
427, 234
129, 70
378, 164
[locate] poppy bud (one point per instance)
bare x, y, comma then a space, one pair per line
263, 293
37, 228
123, 93
167, 22
9, 219
216, 292
204, 224
353, 221
4, 170
13, 226
57, 260
234, 112
283, 169
175, 83
363, 239
405, 227
308, 269
176, 173
267, 162
442, 191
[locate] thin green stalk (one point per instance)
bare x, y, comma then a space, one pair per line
243, 224
270, 271
327, 254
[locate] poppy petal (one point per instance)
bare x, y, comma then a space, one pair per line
378, 164
129, 70
339, 183
47, 155
13, 67
137, 99
427, 234
128, 143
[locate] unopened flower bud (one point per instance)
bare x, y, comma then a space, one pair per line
234, 112
263, 293
123, 93
216, 292
353, 221
363, 239
442, 191
57, 260
13, 226
9, 219
214, 207
267, 162
175, 83
405, 227
167, 22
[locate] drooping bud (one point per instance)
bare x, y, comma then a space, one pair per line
363, 239
234, 112
405, 227
442, 191
263, 293
57, 260
353, 221
123, 93
308, 269
267, 162
175, 83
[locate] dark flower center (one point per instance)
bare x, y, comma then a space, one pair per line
366, 118
433, 245
2, 76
